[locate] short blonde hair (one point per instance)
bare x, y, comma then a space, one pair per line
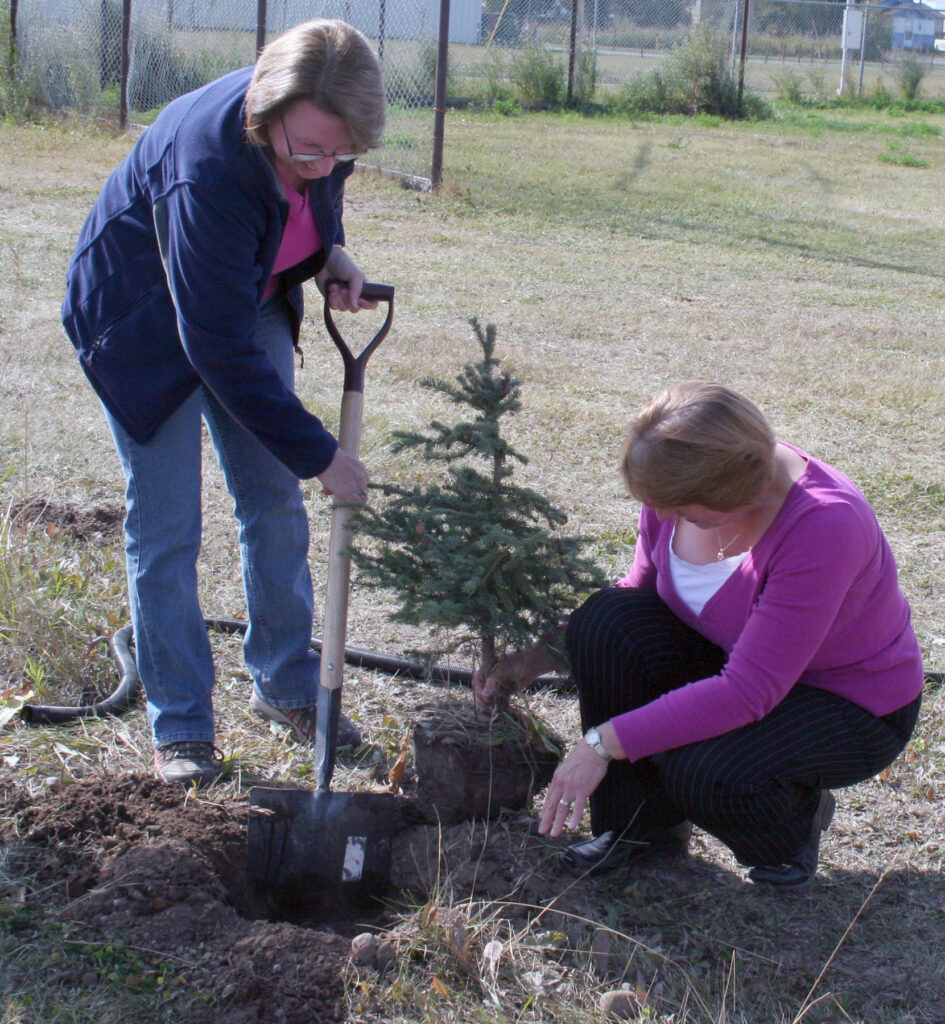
327, 62
698, 443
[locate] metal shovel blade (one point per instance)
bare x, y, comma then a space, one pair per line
318, 854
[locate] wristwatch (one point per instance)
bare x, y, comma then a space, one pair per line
593, 740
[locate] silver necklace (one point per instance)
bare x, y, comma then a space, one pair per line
720, 557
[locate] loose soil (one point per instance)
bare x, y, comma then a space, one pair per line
164, 870
94, 522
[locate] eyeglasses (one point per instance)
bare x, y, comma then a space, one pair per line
309, 158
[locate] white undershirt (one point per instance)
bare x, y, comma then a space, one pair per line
696, 584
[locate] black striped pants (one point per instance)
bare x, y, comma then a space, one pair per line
755, 788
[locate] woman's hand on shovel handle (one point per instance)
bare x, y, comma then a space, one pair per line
342, 280
346, 478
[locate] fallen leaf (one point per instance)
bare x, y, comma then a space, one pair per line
396, 774
491, 955
459, 942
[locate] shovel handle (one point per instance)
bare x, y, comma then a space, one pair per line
354, 365
349, 440
335, 628
339, 562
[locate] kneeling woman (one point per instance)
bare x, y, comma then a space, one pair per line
758, 654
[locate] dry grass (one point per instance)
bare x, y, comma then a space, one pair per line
790, 262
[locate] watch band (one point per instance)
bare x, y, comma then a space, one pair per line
593, 740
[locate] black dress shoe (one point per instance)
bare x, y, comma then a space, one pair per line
802, 866
611, 850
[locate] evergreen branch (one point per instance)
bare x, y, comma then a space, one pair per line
474, 551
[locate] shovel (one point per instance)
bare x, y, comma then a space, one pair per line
318, 853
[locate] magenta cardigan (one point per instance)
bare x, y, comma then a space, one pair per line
815, 601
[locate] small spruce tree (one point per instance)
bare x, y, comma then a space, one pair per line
474, 552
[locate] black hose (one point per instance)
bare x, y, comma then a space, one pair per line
120, 700
124, 695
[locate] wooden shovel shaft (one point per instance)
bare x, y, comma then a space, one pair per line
339, 563
339, 542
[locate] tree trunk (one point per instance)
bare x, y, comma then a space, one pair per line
487, 644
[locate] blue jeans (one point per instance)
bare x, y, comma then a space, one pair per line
162, 541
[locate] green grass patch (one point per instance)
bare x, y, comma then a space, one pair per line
57, 599
899, 156
84, 979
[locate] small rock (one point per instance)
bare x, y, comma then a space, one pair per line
386, 955
364, 949
600, 953
620, 1004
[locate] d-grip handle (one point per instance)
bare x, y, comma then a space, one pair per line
354, 365
369, 290
377, 292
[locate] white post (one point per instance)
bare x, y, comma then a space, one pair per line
594, 43
851, 39
866, 18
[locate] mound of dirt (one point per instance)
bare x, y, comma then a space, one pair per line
96, 522
165, 871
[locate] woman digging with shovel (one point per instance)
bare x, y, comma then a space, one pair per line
184, 302
758, 654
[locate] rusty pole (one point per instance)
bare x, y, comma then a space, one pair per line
439, 96
741, 65
260, 25
125, 65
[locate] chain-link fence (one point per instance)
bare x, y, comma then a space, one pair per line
535, 52
70, 55
793, 47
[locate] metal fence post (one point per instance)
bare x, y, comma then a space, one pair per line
125, 64
571, 48
261, 14
439, 96
744, 54
382, 29
12, 67
866, 21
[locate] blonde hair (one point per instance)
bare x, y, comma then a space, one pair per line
327, 62
698, 443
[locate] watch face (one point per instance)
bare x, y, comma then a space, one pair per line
592, 737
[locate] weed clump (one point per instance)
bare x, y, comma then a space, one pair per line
696, 79
537, 77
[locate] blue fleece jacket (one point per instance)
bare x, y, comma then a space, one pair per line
164, 286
